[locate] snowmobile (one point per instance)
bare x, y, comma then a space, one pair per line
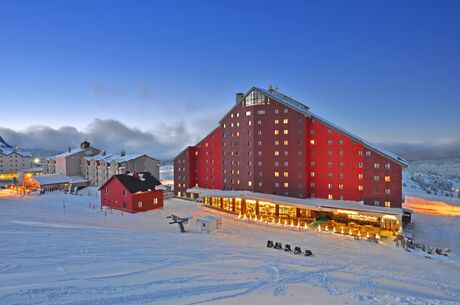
278, 246
269, 244
287, 248
308, 253
297, 250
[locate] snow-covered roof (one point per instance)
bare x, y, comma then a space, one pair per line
312, 203
208, 218
114, 157
6, 149
57, 179
72, 152
290, 102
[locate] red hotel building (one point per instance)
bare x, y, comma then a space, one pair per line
269, 143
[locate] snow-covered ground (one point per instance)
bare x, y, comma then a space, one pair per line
79, 256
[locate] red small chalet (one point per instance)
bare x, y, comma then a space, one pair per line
133, 192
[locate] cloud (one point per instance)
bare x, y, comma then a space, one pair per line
421, 150
164, 142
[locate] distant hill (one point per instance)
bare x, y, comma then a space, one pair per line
41, 153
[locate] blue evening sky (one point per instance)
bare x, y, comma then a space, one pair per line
386, 70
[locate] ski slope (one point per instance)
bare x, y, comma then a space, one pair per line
81, 256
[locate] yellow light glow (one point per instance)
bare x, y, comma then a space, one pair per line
390, 217
347, 212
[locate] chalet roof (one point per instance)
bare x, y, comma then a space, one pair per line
145, 182
6, 149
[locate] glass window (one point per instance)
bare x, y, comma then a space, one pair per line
255, 98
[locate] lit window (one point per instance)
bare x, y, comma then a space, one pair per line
286, 185
277, 174
277, 132
387, 178
277, 142
285, 121
277, 121
329, 186
286, 131
330, 196
277, 153
286, 174
249, 183
340, 186
286, 142
360, 187
140, 204
312, 142
155, 201
360, 176
312, 174
248, 112
387, 204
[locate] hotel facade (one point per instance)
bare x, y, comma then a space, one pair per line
272, 152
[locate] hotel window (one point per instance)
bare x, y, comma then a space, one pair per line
312, 152
249, 123
312, 142
387, 191
360, 187
277, 142
277, 174
329, 142
376, 190
300, 175
312, 163
277, 163
248, 113
124, 193
260, 174
360, 165
376, 178
330, 196
140, 204
259, 122
387, 204
260, 111
277, 153
387, 178
312, 184
285, 121
106, 190
329, 186
286, 163
340, 152
329, 175
285, 142
368, 153
340, 142
259, 132
360, 176
285, 131
312, 174
285, 110
277, 185
260, 184
237, 114
259, 163
155, 201
286, 174
329, 153
237, 124
299, 153
237, 133
360, 152
259, 153
285, 153
231, 115
376, 165
312, 131
277, 132
231, 124
277, 121
340, 186
238, 181
376, 202
387, 165
224, 125
340, 197
329, 164
340, 175
340, 164
286, 185
277, 111
329, 131
249, 183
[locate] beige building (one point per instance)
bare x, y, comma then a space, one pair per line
12, 161
96, 166
99, 168
68, 163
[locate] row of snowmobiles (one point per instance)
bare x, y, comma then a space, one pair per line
287, 248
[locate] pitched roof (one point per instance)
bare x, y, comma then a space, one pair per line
57, 179
6, 149
145, 182
290, 102
115, 157
4, 144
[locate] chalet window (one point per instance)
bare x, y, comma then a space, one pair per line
155, 201
124, 193
106, 190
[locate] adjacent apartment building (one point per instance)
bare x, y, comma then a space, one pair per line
96, 165
12, 160
270, 148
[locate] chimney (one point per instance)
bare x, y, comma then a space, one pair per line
123, 153
239, 97
70, 149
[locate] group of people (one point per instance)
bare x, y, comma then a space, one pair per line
287, 248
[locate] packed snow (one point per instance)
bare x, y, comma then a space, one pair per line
62, 249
